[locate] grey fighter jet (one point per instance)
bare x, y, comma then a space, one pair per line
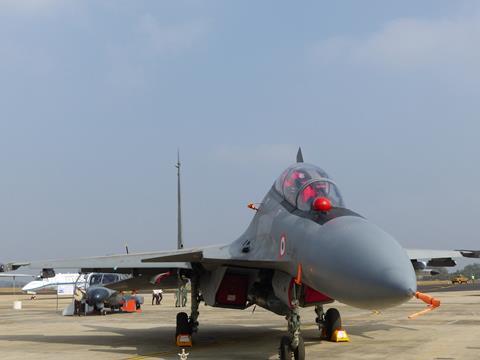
303, 248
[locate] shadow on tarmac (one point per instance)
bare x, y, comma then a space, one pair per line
159, 342
236, 342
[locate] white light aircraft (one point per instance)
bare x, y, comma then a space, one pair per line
41, 283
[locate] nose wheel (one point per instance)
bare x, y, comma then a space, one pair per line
292, 346
286, 351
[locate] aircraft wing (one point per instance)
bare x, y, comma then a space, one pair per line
156, 269
113, 263
218, 255
11, 275
441, 258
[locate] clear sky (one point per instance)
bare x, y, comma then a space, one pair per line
96, 96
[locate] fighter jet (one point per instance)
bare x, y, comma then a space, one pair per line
303, 248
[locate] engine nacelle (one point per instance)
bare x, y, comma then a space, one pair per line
419, 265
429, 272
2, 267
282, 284
232, 292
263, 296
441, 262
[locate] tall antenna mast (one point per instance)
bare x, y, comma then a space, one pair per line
179, 200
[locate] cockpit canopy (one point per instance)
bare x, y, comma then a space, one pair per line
104, 279
302, 183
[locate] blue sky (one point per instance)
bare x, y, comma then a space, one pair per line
95, 98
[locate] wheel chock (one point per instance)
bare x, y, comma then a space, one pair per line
340, 336
184, 340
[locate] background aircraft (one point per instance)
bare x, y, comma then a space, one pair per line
41, 283
97, 291
303, 248
94, 287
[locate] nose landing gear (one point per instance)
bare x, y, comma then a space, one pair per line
286, 351
292, 346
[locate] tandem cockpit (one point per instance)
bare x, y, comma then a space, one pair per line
301, 184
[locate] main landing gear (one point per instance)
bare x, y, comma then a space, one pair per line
292, 346
328, 323
186, 325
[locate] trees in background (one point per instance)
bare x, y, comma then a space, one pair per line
468, 271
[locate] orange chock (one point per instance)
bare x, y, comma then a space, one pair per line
340, 336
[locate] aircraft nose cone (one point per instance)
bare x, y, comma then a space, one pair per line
393, 287
98, 295
363, 266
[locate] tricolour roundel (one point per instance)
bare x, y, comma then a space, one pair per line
283, 244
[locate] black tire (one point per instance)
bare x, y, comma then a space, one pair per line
299, 352
183, 326
285, 351
333, 322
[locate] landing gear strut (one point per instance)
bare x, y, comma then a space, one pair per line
292, 345
320, 319
195, 302
187, 325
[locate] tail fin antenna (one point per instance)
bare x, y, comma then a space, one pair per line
299, 155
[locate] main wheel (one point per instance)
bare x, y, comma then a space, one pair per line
183, 326
287, 353
333, 322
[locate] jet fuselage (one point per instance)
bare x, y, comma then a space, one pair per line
341, 254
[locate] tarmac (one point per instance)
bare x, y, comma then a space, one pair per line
39, 331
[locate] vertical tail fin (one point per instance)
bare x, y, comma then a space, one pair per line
299, 155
